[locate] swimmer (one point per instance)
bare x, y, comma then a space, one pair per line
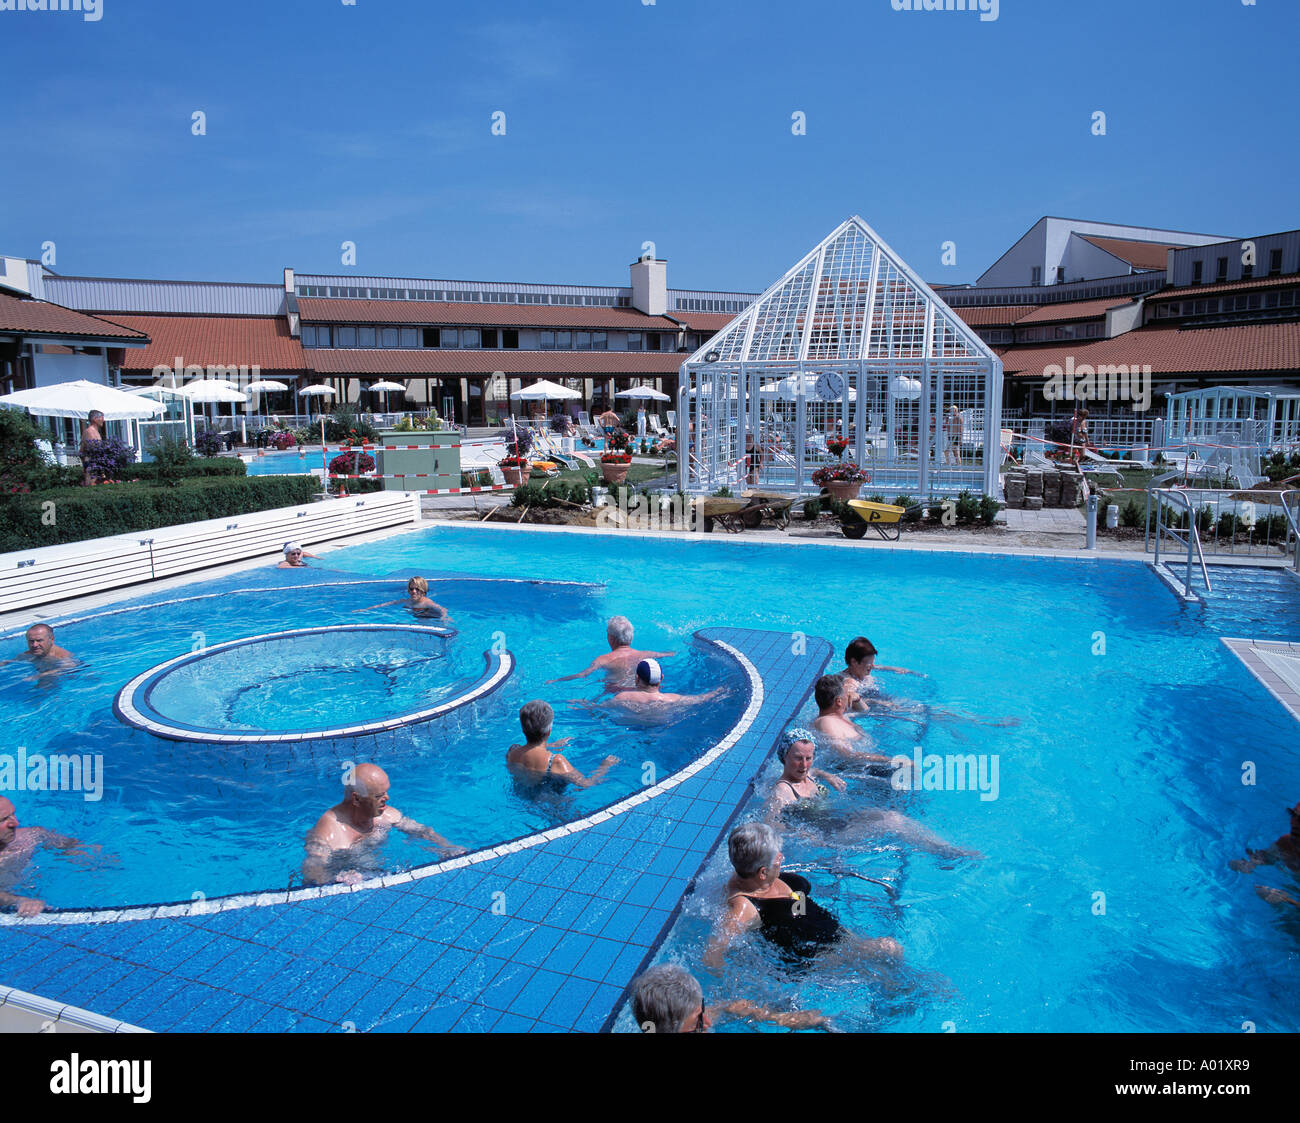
1285, 851
417, 600
619, 661
859, 663
667, 999
798, 791
17, 845
534, 764
362, 820
293, 556
47, 657
834, 694
781, 907
648, 697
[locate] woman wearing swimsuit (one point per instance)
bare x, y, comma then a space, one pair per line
781, 907
534, 764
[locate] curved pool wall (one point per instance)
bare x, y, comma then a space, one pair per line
541, 932
136, 704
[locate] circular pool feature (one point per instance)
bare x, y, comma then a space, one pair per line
304, 685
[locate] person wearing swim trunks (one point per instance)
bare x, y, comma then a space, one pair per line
667, 999
648, 697
17, 847
534, 764
620, 660
859, 663
834, 697
780, 907
43, 653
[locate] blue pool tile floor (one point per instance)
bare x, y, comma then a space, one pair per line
546, 938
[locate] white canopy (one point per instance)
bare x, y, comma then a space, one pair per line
540, 391
386, 386
307, 390
264, 384
643, 392
80, 399
213, 390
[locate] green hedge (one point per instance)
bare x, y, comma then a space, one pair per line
198, 468
96, 512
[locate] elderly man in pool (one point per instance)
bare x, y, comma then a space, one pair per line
357, 827
17, 845
43, 653
780, 907
667, 999
648, 698
621, 657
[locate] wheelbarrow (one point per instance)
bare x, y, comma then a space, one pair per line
764, 505
883, 518
726, 512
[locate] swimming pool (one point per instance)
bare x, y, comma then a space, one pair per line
1122, 778
287, 463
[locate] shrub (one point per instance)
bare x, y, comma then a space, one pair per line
989, 508
84, 513
969, 508
812, 509
106, 460
22, 466
528, 495
344, 422
1271, 528
1228, 525
476, 477
209, 443
1133, 514
723, 492
172, 458
912, 508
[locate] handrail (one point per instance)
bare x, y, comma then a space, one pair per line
1193, 536
1294, 520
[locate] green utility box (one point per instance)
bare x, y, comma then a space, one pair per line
433, 462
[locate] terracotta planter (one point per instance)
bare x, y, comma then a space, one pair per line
614, 473
515, 476
841, 489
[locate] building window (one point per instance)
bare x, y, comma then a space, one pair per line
410, 337
490, 337
548, 341
309, 335
652, 341
510, 338
469, 337
1274, 263
635, 342
365, 337
582, 341
1197, 268
431, 337
599, 341
1060, 274
347, 337
1221, 274
1036, 275
449, 337
388, 337
1247, 271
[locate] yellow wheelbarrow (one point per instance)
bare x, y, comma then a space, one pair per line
883, 518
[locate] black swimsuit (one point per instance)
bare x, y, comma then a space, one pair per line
796, 924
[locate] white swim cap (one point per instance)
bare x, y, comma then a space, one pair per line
289, 547
650, 671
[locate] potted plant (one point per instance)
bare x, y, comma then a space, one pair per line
615, 460
515, 464
841, 481
838, 446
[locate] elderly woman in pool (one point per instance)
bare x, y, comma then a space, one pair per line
293, 557
417, 600
780, 907
799, 795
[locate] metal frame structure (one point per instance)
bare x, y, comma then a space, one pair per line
1268, 415
849, 344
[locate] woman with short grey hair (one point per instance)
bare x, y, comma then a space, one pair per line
534, 764
780, 906
667, 999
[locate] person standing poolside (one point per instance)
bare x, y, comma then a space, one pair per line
43, 653
668, 999
534, 763
798, 790
293, 557
609, 420
93, 431
417, 600
834, 695
780, 906
360, 823
952, 427
649, 697
17, 845
618, 662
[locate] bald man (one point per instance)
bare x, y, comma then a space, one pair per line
360, 824
43, 653
17, 845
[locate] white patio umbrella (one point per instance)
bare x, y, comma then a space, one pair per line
646, 392
318, 391
81, 399
541, 391
214, 390
387, 388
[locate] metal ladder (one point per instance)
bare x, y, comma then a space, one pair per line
1190, 537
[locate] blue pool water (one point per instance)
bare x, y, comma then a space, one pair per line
1103, 900
284, 463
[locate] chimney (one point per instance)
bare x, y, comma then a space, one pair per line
650, 285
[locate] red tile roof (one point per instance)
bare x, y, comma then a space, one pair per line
1073, 310
994, 315
1229, 349
711, 322
1140, 255
1291, 279
316, 310
263, 341
436, 361
39, 317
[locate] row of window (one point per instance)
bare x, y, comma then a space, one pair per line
1247, 271
703, 304
574, 341
1049, 332
464, 296
352, 335
1216, 305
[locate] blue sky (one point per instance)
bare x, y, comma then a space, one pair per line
628, 122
